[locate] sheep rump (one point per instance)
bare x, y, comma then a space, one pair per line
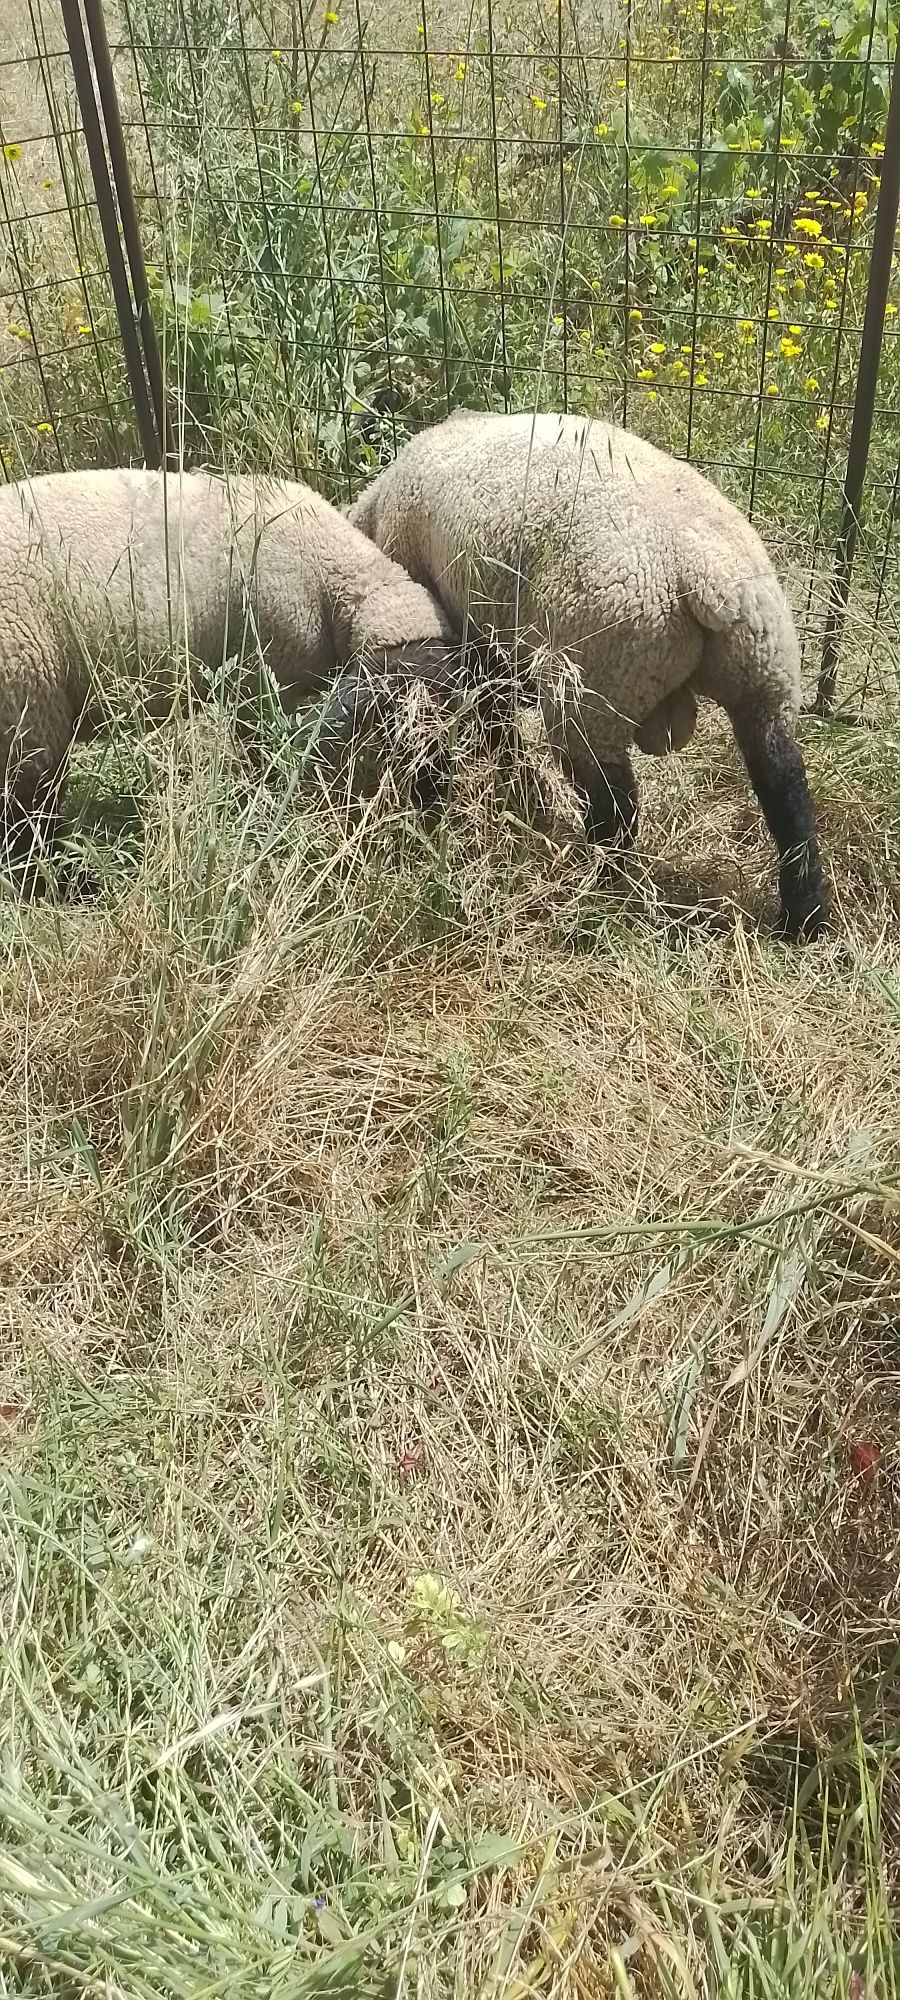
568, 537
113, 572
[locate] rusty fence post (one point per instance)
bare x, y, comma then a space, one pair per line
864, 400
115, 201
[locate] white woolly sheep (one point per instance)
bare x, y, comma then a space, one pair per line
565, 533
111, 570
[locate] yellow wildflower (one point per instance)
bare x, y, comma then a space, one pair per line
12, 151
540, 103
275, 55
45, 430
332, 19
651, 395
297, 107
646, 374
790, 349
701, 381
890, 309
617, 222
799, 287
658, 347
647, 220
636, 315
813, 261
811, 384
702, 271
753, 194
771, 388
823, 420
808, 226
601, 131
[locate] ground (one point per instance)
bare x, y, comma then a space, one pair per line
450, 1396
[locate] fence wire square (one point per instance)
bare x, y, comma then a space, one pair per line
356, 218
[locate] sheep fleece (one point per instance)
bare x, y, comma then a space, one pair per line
110, 568
571, 533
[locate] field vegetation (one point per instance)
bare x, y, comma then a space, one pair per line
450, 1352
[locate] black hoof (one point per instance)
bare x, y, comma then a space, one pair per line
805, 913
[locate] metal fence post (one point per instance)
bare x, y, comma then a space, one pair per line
864, 401
150, 436
131, 229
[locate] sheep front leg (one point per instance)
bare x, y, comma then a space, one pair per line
774, 761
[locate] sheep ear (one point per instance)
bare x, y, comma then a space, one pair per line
432, 661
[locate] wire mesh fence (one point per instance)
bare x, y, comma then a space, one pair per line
357, 216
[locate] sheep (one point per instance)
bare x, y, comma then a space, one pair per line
113, 570
566, 533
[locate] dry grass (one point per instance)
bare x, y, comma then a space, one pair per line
444, 1300
450, 1358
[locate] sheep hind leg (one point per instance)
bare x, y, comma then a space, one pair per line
611, 813
777, 773
606, 789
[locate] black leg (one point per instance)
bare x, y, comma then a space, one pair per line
608, 793
778, 775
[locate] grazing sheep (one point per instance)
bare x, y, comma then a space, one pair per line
561, 533
118, 571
